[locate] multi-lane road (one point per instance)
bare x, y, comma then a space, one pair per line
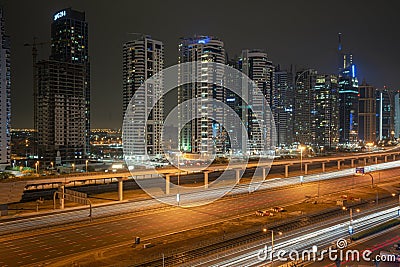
66, 242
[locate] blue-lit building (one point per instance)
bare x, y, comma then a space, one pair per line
348, 97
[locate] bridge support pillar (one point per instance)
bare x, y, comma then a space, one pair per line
237, 175
339, 162
206, 179
365, 161
167, 183
120, 189
305, 168
62, 197
352, 163
394, 157
264, 172
376, 160
3, 209
386, 159
287, 171
323, 166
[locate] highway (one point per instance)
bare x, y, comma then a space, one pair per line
129, 207
321, 235
69, 241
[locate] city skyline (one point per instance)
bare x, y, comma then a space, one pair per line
314, 46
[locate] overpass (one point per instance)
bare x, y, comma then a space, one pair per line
17, 191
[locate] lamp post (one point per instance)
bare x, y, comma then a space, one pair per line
265, 230
351, 220
178, 197
73, 167
87, 164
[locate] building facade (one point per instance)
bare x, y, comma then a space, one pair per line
70, 43
62, 97
385, 110
61, 103
143, 58
304, 107
260, 70
200, 121
348, 100
326, 113
283, 106
5, 94
367, 113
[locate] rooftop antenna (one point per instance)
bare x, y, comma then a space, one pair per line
340, 41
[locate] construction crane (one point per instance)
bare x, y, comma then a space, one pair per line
34, 45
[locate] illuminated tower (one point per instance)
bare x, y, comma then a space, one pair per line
5, 94
142, 58
200, 121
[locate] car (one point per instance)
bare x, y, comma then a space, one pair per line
277, 209
263, 213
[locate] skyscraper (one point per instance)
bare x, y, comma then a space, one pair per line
326, 113
142, 58
5, 94
348, 97
283, 106
201, 121
61, 106
304, 107
70, 43
367, 113
385, 110
257, 67
63, 92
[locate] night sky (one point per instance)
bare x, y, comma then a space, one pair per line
303, 33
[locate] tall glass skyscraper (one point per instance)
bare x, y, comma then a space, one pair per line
257, 67
348, 97
5, 94
70, 44
200, 121
143, 58
304, 107
283, 106
62, 99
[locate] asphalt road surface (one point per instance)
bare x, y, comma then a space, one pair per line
48, 246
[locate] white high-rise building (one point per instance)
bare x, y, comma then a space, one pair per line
257, 67
200, 122
143, 58
5, 95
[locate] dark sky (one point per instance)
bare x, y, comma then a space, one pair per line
301, 32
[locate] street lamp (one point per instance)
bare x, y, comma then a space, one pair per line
266, 230
73, 167
351, 220
87, 164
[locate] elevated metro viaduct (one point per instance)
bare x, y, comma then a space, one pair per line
11, 192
